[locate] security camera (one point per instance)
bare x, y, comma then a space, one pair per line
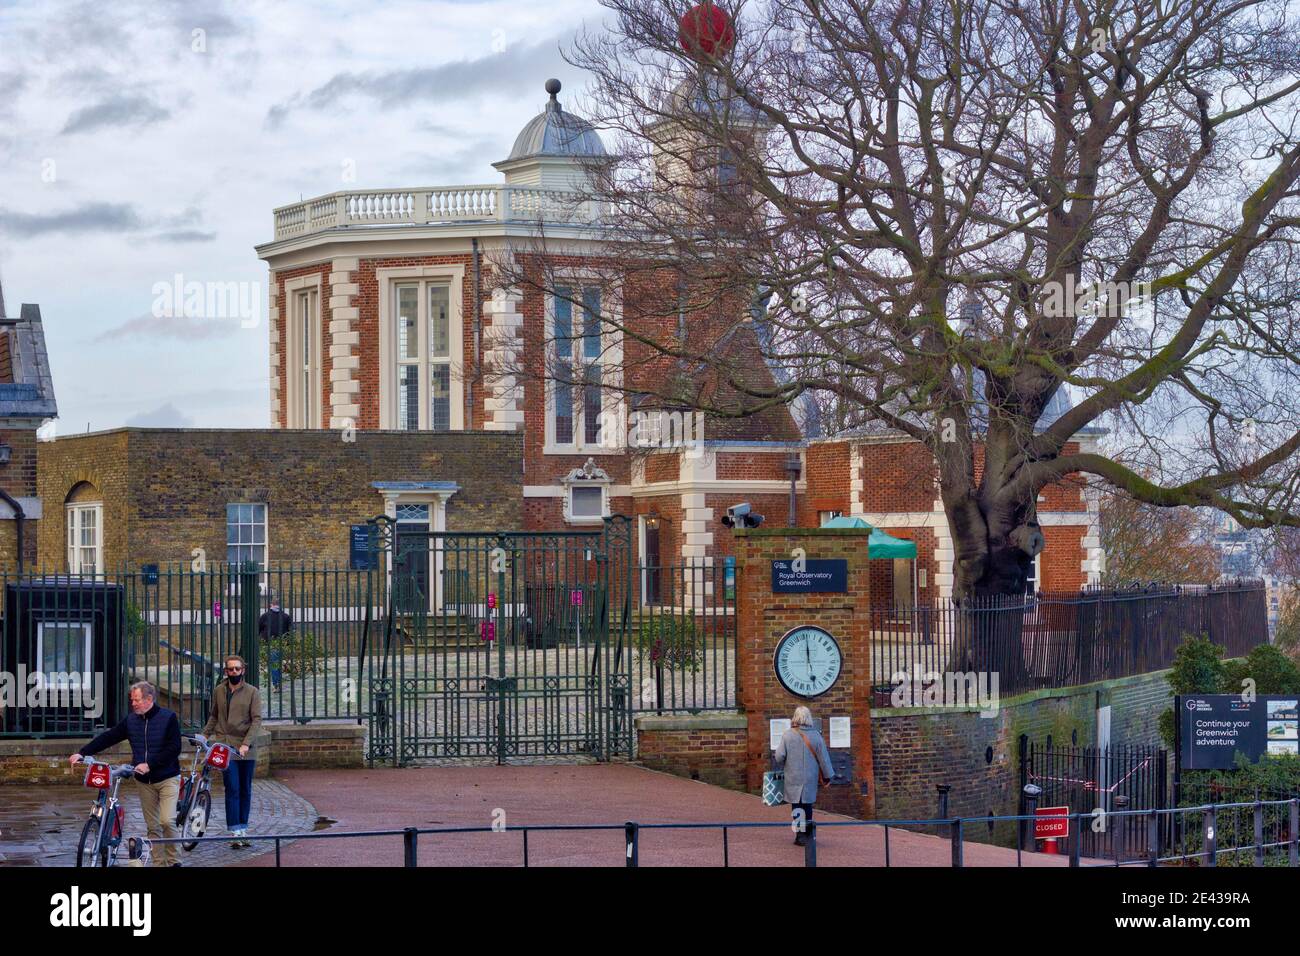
741, 516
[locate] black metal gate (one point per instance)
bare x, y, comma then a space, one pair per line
503, 645
1098, 781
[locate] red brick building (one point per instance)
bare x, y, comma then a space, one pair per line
385, 314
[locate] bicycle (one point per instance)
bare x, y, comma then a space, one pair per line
194, 805
101, 837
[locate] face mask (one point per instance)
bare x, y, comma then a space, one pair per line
235, 678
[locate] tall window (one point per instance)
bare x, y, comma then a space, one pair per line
246, 533
85, 538
576, 361
727, 174
423, 356
303, 359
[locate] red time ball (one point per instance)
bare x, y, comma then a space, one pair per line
706, 29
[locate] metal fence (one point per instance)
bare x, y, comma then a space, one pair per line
1215, 849
1096, 781
1057, 639
683, 637
172, 625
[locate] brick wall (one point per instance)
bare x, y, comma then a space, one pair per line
165, 491
707, 747
915, 749
18, 478
1062, 558
826, 482
100, 461
317, 745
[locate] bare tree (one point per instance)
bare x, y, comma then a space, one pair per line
1146, 543
933, 216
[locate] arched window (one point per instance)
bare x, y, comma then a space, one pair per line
84, 510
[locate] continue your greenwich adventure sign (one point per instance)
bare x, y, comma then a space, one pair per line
1214, 728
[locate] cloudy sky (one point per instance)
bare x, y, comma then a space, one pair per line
145, 141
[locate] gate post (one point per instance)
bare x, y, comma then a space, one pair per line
631, 837
1294, 848
249, 605
1210, 835
1259, 833
409, 837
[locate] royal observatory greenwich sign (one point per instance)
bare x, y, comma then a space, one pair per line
811, 576
1215, 728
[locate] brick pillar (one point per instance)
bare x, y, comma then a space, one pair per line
764, 617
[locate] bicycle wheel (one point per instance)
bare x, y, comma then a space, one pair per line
196, 821
89, 853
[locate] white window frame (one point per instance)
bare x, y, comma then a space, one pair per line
588, 476
610, 359
88, 647
1037, 576
74, 525
266, 534
437, 502
389, 279
303, 410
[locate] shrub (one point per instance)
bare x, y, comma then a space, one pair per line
300, 654
1271, 670
670, 640
1198, 669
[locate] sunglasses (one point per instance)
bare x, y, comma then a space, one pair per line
234, 670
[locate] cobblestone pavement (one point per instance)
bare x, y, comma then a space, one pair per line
40, 825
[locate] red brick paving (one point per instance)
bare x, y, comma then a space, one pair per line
604, 793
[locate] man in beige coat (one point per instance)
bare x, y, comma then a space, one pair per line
234, 720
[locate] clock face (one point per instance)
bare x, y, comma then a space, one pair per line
807, 661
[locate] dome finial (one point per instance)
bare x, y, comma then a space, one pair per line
553, 87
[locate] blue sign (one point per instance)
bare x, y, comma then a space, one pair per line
150, 572
1214, 728
363, 547
815, 576
729, 577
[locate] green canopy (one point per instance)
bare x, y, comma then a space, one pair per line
879, 544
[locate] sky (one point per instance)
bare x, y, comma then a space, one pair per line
143, 146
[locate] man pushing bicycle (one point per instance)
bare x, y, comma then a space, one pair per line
234, 720
155, 736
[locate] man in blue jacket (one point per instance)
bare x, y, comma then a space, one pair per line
155, 736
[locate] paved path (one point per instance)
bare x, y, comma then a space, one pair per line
40, 826
602, 793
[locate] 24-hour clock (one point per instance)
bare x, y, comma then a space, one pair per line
807, 661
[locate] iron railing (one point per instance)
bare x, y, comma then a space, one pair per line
1258, 850
1095, 781
672, 632
1056, 639
174, 625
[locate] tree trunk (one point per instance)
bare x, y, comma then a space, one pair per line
994, 548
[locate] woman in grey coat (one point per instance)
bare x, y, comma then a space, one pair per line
802, 754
